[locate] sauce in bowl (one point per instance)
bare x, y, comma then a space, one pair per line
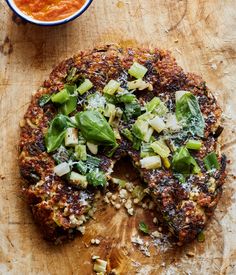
49, 10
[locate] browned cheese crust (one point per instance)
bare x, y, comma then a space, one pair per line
185, 208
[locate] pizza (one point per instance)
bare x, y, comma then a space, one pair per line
111, 102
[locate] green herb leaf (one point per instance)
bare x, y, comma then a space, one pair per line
143, 227
69, 106
125, 97
189, 114
44, 99
211, 161
96, 178
56, 133
132, 110
184, 163
95, 128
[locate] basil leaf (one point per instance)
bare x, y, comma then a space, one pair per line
189, 114
143, 227
56, 133
211, 161
96, 178
95, 128
44, 99
184, 163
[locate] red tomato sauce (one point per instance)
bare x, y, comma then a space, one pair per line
49, 10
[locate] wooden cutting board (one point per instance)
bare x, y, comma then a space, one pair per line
202, 36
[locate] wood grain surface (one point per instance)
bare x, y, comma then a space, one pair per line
202, 36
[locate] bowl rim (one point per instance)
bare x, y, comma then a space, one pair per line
49, 23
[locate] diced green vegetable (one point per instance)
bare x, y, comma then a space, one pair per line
80, 152
143, 227
95, 128
127, 133
157, 124
120, 182
112, 87
194, 144
69, 106
110, 111
140, 85
81, 167
136, 143
132, 110
140, 129
137, 70
146, 150
188, 113
61, 97
152, 162
81, 139
78, 180
71, 137
148, 134
125, 97
117, 133
172, 123
211, 161
138, 193
161, 148
152, 105
92, 162
85, 86
184, 163
56, 133
44, 99
93, 148
96, 178
62, 169
71, 76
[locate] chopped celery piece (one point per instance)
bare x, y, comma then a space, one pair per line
166, 162
157, 124
211, 161
146, 116
110, 111
71, 137
125, 97
93, 148
136, 143
138, 193
100, 266
172, 123
140, 85
111, 87
96, 178
148, 134
120, 182
92, 162
184, 163
194, 144
146, 150
61, 97
137, 70
160, 148
140, 129
85, 86
151, 105
62, 169
127, 133
81, 139
152, 162
161, 109
69, 106
78, 180
80, 152
81, 167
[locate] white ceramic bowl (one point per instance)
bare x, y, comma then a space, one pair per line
24, 16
